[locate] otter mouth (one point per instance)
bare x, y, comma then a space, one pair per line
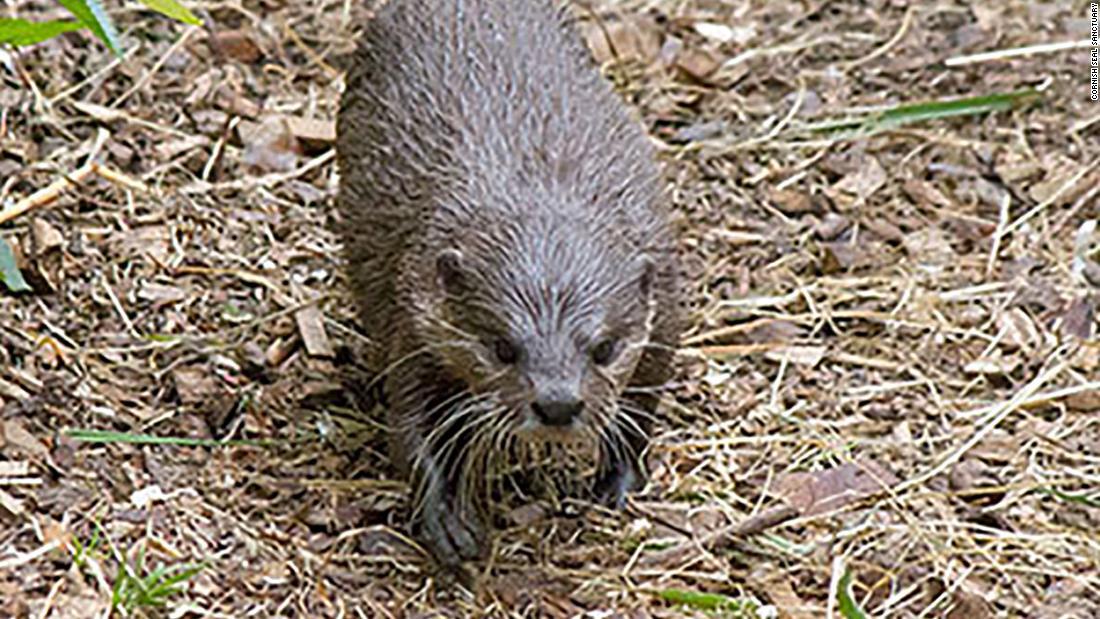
573, 431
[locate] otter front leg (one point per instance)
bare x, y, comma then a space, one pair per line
451, 532
621, 469
431, 460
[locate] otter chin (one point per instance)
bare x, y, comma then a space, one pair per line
509, 251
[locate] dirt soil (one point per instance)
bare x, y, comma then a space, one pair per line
893, 371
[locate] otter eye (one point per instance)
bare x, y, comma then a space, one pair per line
506, 352
604, 351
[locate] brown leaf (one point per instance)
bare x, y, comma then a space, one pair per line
924, 193
824, 491
195, 385
966, 605
929, 247
636, 38
1018, 330
44, 237
146, 240
868, 178
171, 149
237, 44
698, 64
269, 146
832, 226
837, 257
18, 440
791, 201
1079, 318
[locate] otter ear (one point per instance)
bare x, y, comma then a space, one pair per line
449, 271
645, 281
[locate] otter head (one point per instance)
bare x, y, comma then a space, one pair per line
546, 320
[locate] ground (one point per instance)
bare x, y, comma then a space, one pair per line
891, 372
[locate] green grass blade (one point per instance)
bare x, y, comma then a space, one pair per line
9, 272
1080, 499
20, 32
705, 601
107, 436
932, 110
845, 604
168, 586
92, 15
911, 113
173, 9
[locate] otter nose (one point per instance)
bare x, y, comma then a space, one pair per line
557, 411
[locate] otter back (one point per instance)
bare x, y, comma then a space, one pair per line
455, 111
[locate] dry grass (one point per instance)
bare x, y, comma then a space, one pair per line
907, 304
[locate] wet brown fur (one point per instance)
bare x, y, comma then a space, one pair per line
482, 127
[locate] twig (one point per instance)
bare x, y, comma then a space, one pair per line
47, 194
996, 415
894, 40
1044, 48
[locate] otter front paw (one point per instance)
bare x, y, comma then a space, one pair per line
616, 480
450, 534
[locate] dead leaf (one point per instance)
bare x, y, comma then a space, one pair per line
237, 44
1018, 330
843, 257
19, 441
171, 149
526, 515
868, 178
791, 201
636, 38
1084, 401
929, 247
147, 240
44, 237
923, 193
269, 146
698, 64
832, 226
195, 385
966, 605
1079, 318
824, 491
780, 591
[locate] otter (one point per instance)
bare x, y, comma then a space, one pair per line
505, 239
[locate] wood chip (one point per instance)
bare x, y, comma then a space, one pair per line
312, 133
19, 440
800, 355
10, 503
311, 328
